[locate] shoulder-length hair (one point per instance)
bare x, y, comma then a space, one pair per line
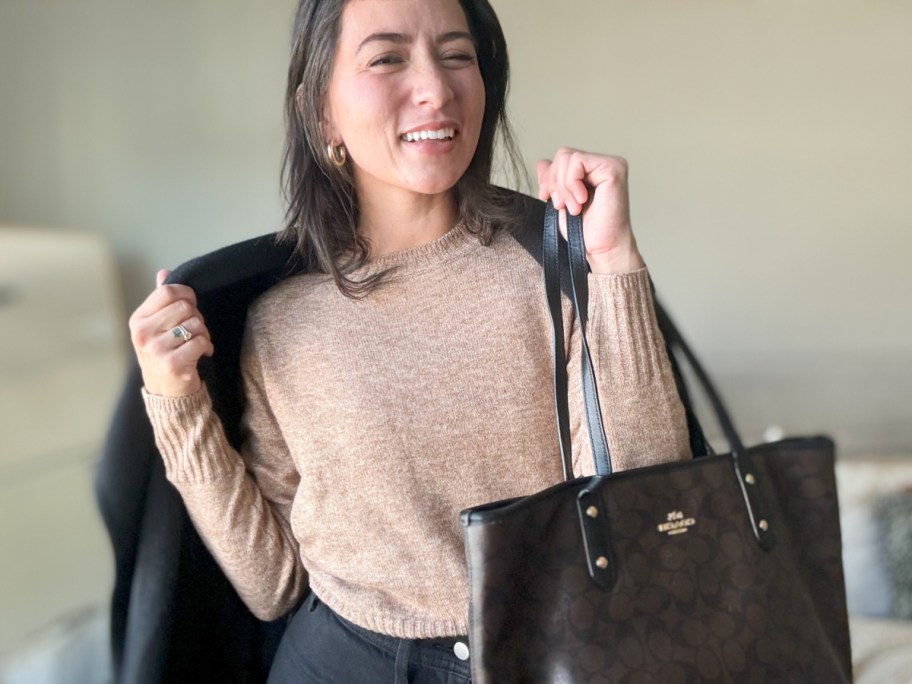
321, 213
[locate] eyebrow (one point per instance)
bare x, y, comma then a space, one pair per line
402, 39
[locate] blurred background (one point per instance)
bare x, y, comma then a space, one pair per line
770, 147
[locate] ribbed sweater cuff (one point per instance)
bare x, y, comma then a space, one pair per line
190, 437
622, 315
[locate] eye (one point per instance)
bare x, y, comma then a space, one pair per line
458, 59
385, 60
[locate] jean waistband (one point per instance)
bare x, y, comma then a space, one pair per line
436, 650
391, 644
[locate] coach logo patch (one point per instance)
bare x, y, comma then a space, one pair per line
676, 523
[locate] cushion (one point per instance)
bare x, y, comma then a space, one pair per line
862, 483
894, 515
881, 650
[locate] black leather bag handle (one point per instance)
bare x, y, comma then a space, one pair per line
677, 342
555, 253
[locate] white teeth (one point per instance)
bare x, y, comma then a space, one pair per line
441, 134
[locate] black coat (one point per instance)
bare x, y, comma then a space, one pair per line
174, 615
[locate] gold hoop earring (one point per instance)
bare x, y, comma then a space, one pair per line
337, 154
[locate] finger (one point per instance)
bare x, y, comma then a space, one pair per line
575, 183
194, 348
609, 169
572, 180
186, 331
544, 186
181, 363
161, 276
161, 349
173, 315
143, 329
554, 178
164, 295
559, 192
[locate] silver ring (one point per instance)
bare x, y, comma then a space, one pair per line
181, 331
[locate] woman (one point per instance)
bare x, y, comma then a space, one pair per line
386, 386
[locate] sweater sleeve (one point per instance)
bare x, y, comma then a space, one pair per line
239, 502
644, 418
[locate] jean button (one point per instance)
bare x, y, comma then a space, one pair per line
461, 650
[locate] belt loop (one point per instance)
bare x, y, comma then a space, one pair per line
403, 651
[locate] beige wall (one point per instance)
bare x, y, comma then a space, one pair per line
770, 146
158, 124
769, 142
771, 154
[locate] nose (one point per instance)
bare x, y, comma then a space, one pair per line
432, 87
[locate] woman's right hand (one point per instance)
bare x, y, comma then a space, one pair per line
167, 361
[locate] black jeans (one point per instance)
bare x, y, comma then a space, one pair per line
321, 647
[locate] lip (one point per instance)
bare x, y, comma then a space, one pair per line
433, 126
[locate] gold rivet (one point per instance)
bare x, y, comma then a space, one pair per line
763, 525
592, 511
601, 562
749, 479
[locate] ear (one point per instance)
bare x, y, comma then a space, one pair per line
299, 100
327, 127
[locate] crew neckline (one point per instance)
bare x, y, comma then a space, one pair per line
453, 243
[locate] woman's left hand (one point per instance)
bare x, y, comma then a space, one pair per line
595, 184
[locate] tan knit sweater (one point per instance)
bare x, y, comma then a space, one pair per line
372, 423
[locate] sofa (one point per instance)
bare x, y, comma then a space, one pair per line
873, 492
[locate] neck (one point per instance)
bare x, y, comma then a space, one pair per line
406, 221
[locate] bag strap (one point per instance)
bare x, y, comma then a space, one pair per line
676, 341
555, 253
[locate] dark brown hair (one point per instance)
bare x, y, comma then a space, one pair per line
321, 215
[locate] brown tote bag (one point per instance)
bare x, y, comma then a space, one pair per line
724, 568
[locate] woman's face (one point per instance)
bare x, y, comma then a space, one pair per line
405, 96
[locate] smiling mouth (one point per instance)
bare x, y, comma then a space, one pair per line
438, 134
